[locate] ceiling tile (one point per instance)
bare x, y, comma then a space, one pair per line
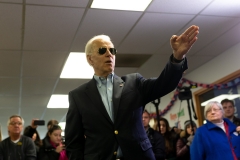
9, 86
176, 6
38, 86
59, 32
43, 64
223, 8
64, 86
11, 24
152, 31
68, 3
209, 28
222, 43
12, 1
9, 103
115, 24
10, 63
35, 101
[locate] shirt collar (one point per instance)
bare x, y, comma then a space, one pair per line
101, 80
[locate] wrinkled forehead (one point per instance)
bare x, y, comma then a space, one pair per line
15, 119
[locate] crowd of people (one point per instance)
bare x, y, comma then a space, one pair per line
106, 119
217, 139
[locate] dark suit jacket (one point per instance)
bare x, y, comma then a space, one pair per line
88, 117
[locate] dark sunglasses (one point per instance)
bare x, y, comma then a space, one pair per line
104, 50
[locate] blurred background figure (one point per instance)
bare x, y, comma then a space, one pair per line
217, 139
170, 139
229, 110
156, 139
185, 140
34, 136
52, 148
17, 146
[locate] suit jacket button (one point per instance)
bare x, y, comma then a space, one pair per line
116, 132
115, 153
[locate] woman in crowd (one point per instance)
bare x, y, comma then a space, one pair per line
185, 140
217, 139
52, 148
170, 140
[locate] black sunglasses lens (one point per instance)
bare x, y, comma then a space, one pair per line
113, 51
102, 50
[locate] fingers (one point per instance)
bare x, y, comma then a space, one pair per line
173, 38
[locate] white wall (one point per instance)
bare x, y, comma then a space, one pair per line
219, 67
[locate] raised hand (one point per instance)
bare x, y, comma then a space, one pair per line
181, 44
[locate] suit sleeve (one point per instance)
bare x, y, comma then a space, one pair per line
74, 133
167, 81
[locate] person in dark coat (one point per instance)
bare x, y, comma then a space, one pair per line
104, 119
52, 148
156, 139
185, 140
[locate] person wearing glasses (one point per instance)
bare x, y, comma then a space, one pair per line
218, 139
104, 119
17, 146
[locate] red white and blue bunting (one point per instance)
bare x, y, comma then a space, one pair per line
203, 85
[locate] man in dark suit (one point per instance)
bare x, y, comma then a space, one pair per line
104, 120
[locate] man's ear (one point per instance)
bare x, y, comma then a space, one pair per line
89, 59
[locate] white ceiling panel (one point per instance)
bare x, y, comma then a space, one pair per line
10, 63
152, 31
11, 24
12, 1
35, 86
58, 34
67, 3
9, 103
223, 42
211, 27
115, 24
154, 66
223, 8
9, 86
176, 6
43, 64
35, 101
64, 86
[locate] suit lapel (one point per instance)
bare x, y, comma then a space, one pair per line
96, 99
118, 85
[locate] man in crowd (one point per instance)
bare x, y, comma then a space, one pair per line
229, 109
104, 119
156, 139
17, 146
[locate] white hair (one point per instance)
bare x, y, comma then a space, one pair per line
13, 116
90, 43
210, 105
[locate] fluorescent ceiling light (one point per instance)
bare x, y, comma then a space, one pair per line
77, 66
62, 125
58, 101
221, 97
132, 5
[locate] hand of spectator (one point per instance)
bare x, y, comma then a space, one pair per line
60, 148
190, 139
32, 124
238, 129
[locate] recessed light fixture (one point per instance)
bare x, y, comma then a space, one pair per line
58, 101
131, 5
221, 97
77, 67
